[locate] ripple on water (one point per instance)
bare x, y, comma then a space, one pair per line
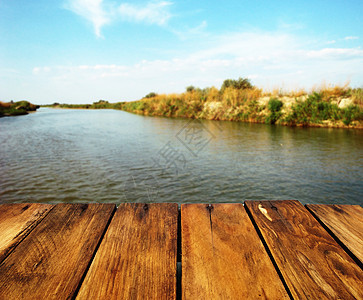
107, 156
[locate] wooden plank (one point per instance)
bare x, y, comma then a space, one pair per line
50, 262
345, 222
223, 257
16, 221
137, 257
312, 263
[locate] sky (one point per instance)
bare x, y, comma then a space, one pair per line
81, 51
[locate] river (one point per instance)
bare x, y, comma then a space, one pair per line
56, 155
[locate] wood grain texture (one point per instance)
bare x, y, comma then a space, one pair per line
16, 221
50, 262
137, 257
345, 222
312, 263
223, 257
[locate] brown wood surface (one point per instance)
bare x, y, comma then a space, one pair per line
16, 221
137, 257
345, 222
50, 262
223, 257
312, 263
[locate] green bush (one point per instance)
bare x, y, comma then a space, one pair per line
312, 110
352, 113
274, 106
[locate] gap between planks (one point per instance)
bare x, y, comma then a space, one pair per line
179, 249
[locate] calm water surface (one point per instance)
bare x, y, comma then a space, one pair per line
113, 156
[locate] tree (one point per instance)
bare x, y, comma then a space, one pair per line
239, 84
101, 102
190, 89
151, 95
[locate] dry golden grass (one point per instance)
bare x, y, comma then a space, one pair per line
357, 96
275, 92
329, 91
4, 104
251, 94
234, 97
213, 95
279, 93
297, 93
237, 97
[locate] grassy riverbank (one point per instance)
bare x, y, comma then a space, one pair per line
16, 108
325, 107
238, 100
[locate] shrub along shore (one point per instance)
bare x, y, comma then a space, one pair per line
238, 100
16, 108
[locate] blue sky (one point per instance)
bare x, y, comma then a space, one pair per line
80, 51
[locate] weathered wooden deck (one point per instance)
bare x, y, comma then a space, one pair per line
264, 249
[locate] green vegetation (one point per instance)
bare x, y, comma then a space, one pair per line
16, 108
101, 104
315, 110
352, 113
239, 100
190, 89
239, 84
151, 95
274, 106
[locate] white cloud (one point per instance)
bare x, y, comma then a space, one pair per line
347, 38
249, 47
272, 59
151, 13
38, 70
336, 53
188, 32
290, 26
91, 10
101, 12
